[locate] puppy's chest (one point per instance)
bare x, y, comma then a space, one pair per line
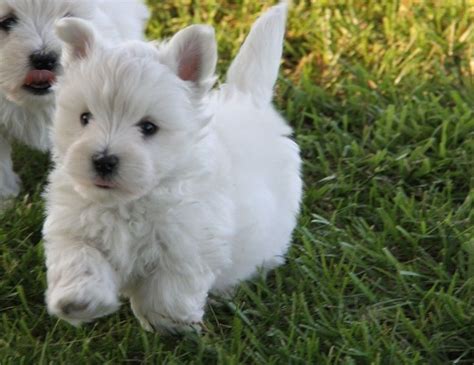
30, 127
126, 236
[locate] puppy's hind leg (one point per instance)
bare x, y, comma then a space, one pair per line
9, 181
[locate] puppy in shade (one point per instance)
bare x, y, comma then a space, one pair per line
30, 53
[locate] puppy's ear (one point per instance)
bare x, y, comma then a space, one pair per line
79, 37
192, 55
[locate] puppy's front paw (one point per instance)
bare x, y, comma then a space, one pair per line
156, 322
10, 185
82, 303
167, 326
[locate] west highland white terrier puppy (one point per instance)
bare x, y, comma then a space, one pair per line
30, 52
163, 189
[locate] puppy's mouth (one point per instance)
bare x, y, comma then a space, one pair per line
104, 183
39, 82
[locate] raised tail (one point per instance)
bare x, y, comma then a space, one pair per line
255, 69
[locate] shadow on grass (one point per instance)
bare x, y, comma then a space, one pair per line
32, 167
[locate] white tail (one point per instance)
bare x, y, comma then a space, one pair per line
255, 69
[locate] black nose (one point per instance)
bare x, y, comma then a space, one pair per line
105, 165
44, 60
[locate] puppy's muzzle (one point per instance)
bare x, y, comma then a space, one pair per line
40, 79
44, 61
105, 165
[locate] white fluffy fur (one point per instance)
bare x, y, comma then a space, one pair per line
27, 117
196, 208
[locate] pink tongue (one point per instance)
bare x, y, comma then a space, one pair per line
36, 77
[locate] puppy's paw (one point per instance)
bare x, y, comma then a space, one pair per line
82, 303
167, 326
10, 185
155, 322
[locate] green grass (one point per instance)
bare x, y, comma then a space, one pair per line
381, 95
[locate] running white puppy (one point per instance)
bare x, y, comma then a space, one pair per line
30, 53
164, 190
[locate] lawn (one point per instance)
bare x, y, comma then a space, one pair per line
381, 96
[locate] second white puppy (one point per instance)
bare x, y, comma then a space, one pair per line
164, 190
30, 53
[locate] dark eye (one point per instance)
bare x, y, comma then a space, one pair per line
147, 128
7, 23
85, 118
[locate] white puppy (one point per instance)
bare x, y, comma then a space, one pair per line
164, 190
29, 54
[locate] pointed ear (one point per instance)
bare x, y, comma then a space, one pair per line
79, 37
192, 55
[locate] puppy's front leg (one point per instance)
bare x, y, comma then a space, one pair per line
172, 300
9, 181
82, 285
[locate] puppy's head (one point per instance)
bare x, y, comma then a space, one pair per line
131, 118
29, 48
